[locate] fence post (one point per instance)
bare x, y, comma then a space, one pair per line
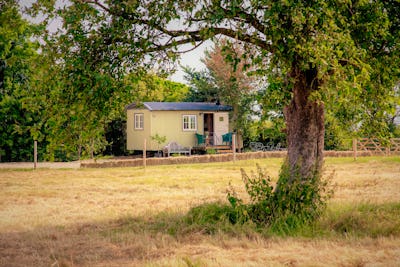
355, 148
34, 154
144, 153
234, 146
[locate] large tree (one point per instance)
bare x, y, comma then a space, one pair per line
314, 47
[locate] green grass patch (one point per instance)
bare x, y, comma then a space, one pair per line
362, 220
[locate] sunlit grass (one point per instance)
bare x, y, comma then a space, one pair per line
136, 216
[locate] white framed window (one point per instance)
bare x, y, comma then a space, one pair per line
189, 122
139, 121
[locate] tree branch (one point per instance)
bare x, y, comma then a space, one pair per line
248, 18
195, 36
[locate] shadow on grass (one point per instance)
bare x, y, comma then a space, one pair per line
137, 240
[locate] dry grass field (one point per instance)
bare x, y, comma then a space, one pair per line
138, 217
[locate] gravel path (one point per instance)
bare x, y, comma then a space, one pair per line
49, 165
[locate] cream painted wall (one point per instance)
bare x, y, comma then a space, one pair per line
136, 137
170, 124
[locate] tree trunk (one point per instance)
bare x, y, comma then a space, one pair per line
305, 126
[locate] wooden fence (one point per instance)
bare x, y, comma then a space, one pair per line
362, 147
375, 146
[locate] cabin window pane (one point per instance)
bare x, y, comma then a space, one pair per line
189, 123
139, 118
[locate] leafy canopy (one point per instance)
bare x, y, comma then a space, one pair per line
353, 45
17, 71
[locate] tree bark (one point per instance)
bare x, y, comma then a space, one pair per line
305, 126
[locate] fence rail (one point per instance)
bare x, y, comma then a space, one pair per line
392, 146
395, 145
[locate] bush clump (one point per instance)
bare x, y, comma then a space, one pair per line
298, 200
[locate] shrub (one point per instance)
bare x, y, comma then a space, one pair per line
283, 210
211, 151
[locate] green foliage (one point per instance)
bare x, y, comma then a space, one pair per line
85, 87
225, 79
150, 87
202, 88
115, 134
272, 99
17, 72
75, 90
271, 131
159, 139
211, 151
295, 202
396, 131
335, 136
363, 99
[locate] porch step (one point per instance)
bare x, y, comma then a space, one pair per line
220, 147
224, 151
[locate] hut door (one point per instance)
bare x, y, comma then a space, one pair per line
221, 126
209, 128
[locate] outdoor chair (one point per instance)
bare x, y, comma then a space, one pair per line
200, 139
227, 138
